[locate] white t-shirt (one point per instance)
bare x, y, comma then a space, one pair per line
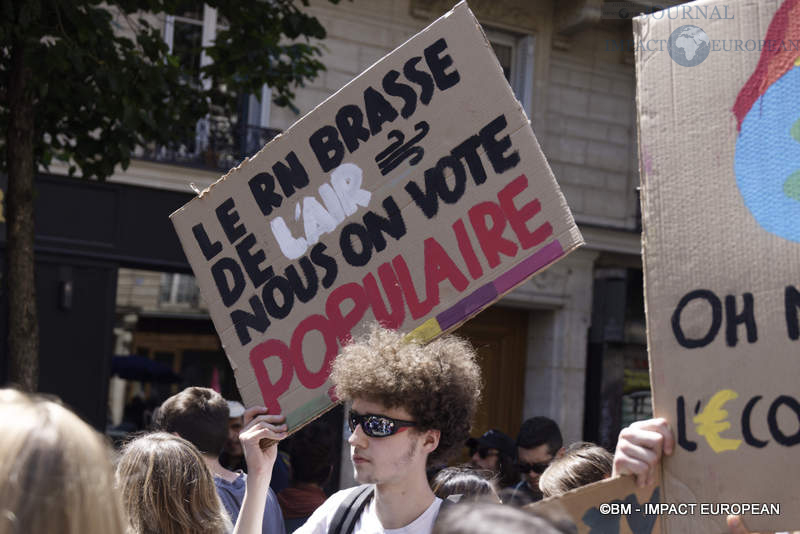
368, 522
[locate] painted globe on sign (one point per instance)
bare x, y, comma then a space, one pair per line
688, 46
767, 162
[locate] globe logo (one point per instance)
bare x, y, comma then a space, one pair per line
688, 46
767, 156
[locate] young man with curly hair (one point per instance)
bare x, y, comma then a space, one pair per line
409, 405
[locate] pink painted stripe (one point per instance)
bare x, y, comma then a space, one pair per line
543, 257
467, 306
486, 294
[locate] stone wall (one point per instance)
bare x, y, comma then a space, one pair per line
589, 134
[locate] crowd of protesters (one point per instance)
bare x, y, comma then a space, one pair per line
410, 407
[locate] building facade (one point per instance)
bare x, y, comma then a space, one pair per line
568, 344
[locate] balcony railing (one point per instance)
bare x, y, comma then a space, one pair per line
219, 144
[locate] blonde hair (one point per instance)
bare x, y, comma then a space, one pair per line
167, 489
55, 471
438, 384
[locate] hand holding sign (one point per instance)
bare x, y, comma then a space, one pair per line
257, 417
260, 459
640, 448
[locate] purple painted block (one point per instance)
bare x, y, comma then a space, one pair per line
544, 256
467, 306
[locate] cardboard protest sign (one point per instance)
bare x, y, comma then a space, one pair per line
415, 196
613, 506
720, 167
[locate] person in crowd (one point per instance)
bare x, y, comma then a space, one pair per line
132, 416
581, 464
496, 452
467, 484
539, 441
408, 404
480, 518
55, 471
232, 457
311, 451
200, 415
167, 488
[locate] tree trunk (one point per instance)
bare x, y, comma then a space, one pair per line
23, 323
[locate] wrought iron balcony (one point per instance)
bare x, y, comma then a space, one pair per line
219, 144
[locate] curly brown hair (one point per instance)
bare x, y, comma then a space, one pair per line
439, 383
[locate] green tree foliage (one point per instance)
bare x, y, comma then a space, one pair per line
86, 82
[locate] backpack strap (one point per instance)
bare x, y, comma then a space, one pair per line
348, 512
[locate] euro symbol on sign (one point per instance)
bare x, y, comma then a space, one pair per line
712, 420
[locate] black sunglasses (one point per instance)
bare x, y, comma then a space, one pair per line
537, 468
376, 426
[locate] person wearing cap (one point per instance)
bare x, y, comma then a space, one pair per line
495, 451
232, 457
